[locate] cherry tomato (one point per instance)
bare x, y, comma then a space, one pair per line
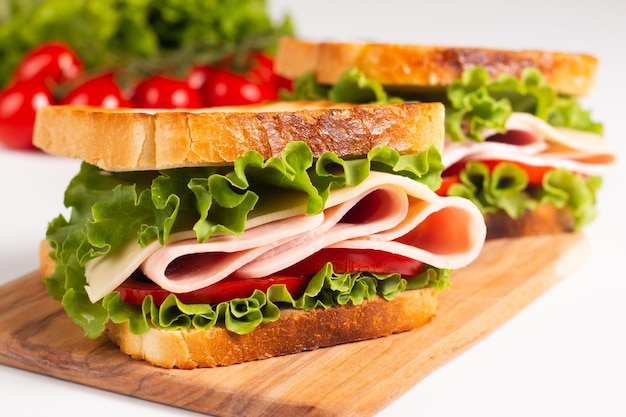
227, 88
198, 76
263, 68
18, 106
133, 291
102, 91
53, 61
166, 93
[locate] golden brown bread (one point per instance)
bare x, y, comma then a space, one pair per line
402, 66
295, 331
140, 139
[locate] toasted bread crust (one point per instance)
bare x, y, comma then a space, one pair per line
133, 140
399, 66
295, 331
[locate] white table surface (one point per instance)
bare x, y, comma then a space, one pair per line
563, 355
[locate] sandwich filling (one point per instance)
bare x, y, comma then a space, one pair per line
194, 247
511, 144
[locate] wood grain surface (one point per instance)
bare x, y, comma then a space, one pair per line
36, 335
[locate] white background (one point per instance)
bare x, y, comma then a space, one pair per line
563, 355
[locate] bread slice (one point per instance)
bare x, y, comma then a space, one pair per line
545, 219
295, 331
140, 139
402, 67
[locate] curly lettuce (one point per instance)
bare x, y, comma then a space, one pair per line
477, 102
506, 188
326, 289
110, 209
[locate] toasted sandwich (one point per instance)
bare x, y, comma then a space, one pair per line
217, 236
518, 142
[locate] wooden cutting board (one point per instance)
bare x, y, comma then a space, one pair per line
35, 335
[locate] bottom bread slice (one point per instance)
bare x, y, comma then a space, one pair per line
295, 331
545, 219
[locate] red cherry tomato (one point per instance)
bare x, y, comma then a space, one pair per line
102, 91
53, 61
263, 68
198, 76
18, 106
166, 93
227, 88
133, 291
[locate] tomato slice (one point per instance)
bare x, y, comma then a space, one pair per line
353, 260
295, 278
133, 290
446, 183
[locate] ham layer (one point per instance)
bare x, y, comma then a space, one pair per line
535, 142
388, 213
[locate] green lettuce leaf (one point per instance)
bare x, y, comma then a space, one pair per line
477, 102
506, 188
110, 209
351, 87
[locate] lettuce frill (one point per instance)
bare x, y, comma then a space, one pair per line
506, 188
109, 209
326, 289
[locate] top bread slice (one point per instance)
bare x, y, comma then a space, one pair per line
403, 67
144, 139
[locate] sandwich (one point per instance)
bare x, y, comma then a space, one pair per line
210, 237
518, 143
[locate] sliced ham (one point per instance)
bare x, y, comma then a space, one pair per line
386, 212
542, 145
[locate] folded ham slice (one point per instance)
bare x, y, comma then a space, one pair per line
535, 142
386, 212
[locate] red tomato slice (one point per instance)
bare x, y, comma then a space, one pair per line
133, 291
353, 260
295, 278
446, 183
